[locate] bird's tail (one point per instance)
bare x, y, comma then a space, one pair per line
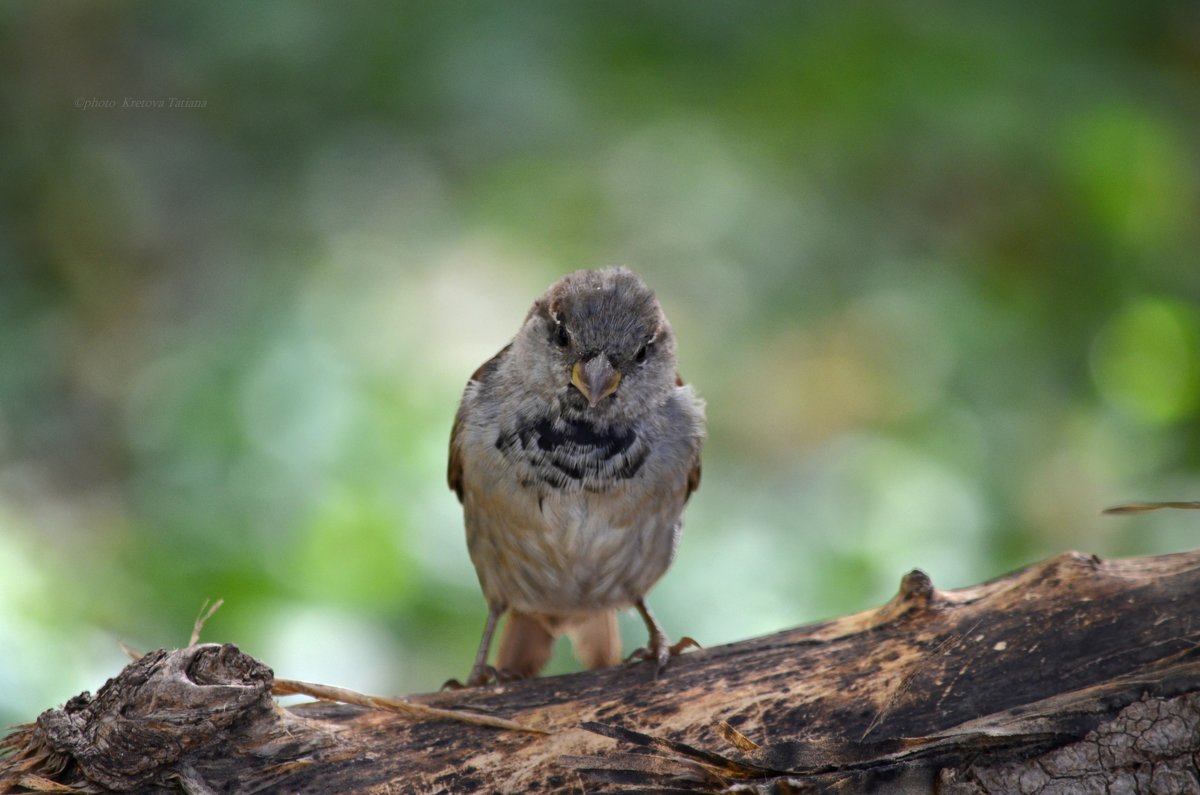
528, 640
525, 645
597, 640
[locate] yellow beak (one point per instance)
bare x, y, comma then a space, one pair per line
596, 378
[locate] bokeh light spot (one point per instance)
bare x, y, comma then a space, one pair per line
1145, 360
1125, 163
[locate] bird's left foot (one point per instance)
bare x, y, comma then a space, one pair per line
487, 675
661, 650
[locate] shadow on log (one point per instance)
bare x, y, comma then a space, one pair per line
1073, 675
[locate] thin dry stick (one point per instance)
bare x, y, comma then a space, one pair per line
41, 784
735, 737
289, 687
1142, 507
206, 613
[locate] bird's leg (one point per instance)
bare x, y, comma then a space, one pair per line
659, 649
481, 672
480, 675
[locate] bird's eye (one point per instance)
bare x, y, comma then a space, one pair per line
642, 353
561, 337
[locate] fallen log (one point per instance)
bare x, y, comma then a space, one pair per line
1073, 675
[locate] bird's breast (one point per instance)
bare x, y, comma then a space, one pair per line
566, 552
573, 454
571, 517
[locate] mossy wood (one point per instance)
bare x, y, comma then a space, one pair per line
1072, 675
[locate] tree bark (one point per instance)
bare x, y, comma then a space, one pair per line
1073, 675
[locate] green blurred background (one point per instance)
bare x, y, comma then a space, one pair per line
934, 267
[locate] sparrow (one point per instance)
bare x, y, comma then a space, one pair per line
573, 452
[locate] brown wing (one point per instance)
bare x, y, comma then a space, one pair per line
693, 481
454, 472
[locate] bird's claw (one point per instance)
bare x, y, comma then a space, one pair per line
661, 651
479, 677
486, 675
686, 642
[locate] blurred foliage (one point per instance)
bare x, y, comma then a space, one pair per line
933, 266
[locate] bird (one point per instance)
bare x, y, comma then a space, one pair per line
573, 452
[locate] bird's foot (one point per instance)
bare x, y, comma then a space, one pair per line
662, 650
481, 677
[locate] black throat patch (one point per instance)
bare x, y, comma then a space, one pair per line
565, 452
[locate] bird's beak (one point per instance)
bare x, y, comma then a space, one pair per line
596, 378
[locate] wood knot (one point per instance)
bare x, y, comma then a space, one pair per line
916, 595
226, 664
162, 706
916, 587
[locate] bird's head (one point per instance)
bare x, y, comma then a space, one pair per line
597, 341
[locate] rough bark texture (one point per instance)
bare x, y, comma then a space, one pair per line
1074, 675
